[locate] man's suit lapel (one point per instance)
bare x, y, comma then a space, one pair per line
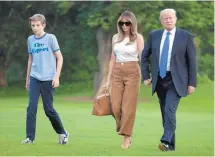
176, 42
158, 42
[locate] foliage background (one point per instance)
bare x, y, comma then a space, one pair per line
77, 25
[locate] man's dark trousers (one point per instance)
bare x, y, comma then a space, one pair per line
169, 100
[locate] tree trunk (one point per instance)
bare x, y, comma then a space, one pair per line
3, 80
104, 53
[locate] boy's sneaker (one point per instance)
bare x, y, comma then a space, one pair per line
64, 138
27, 141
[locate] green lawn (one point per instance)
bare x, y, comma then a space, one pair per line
96, 136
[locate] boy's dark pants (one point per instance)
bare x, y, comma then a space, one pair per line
45, 89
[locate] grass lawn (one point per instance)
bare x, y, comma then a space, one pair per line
96, 136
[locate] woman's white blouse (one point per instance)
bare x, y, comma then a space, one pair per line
126, 51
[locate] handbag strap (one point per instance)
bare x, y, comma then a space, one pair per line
106, 92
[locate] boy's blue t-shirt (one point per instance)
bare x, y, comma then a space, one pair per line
42, 50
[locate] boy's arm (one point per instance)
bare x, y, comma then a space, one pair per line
59, 58
28, 71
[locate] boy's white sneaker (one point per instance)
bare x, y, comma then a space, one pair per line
64, 138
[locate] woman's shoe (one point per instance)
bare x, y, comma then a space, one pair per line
126, 145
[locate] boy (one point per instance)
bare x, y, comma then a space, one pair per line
44, 66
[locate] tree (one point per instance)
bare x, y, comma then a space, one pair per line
84, 30
15, 30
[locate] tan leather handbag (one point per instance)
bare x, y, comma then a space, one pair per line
102, 104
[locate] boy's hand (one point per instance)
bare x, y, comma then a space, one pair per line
27, 85
55, 82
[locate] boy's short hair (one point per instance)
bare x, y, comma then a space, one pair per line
38, 17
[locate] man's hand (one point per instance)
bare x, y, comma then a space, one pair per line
190, 89
55, 82
147, 82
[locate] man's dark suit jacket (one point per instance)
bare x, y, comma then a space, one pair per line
182, 63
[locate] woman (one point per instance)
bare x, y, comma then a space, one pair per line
124, 73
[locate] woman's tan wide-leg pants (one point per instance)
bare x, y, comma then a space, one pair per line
124, 95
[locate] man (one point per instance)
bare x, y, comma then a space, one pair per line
173, 71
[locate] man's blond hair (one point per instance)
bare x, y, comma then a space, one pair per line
167, 10
38, 17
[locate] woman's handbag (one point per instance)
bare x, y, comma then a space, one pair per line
102, 104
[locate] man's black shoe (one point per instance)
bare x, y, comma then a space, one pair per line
164, 147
